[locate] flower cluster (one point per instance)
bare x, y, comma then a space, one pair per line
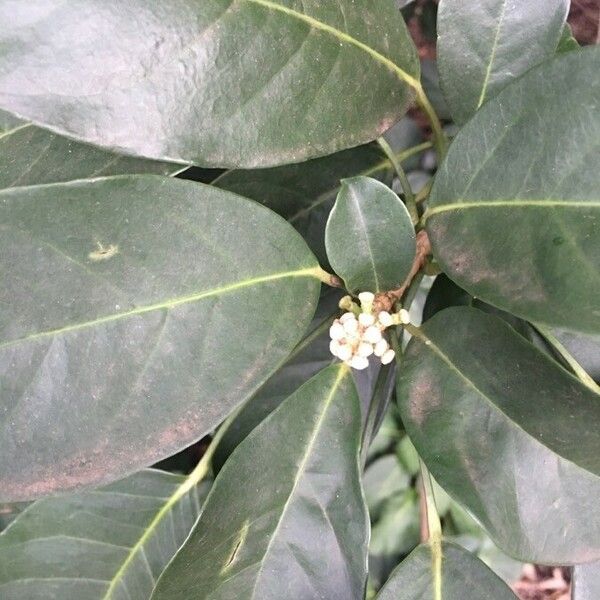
358, 333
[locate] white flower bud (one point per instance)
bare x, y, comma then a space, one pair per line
385, 318
351, 326
366, 298
345, 303
366, 319
334, 347
372, 334
388, 357
336, 331
381, 347
404, 317
346, 316
344, 352
364, 349
359, 362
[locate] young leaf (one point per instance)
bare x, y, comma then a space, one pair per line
567, 42
108, 544
370, 238
484, 45
508, 433
586, 582
514, 211
304, 193
30, 156
286, 516
217, 83
463, 577
137, 312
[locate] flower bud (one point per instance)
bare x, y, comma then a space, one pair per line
350, 326
364, 349
381, 347
388, 357
336, 331
372, 334
366, 319
366, 301
344, 352
385, 318
404, 316
359, 362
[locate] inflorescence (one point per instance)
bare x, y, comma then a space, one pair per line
358, 333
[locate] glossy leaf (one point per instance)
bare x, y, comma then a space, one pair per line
508, 433
370, 238
528, 243
286, 516
137, 312
305, 193
108, 544
383, 478
309, 357
8, 121
463, 577
586, 582
484, 45
215, 83
31, 156
585, 349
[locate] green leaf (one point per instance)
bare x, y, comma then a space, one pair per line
309, 357
508, 433
396, 530
527, 242
217, 83
567, 42
383, 478
111, 543
484, 45
585, 349
8, 121
137, 312
305, 193
286, 516
463, 577
370, 238
30, 156
586, 582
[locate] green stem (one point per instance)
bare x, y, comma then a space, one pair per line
409, 197
434, 529
328, 278
441, 143
581, 373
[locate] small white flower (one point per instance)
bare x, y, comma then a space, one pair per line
351, 326
366, 298
385, 318
359, 362
336, 331
344, 352
388, 357
404, 317
381, 347
364, 349
372, 334
366, 319
346, 317
334, 347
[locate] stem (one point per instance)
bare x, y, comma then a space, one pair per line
424, 192
579, 371
441, 143
328, 278
434, 531
409, 197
